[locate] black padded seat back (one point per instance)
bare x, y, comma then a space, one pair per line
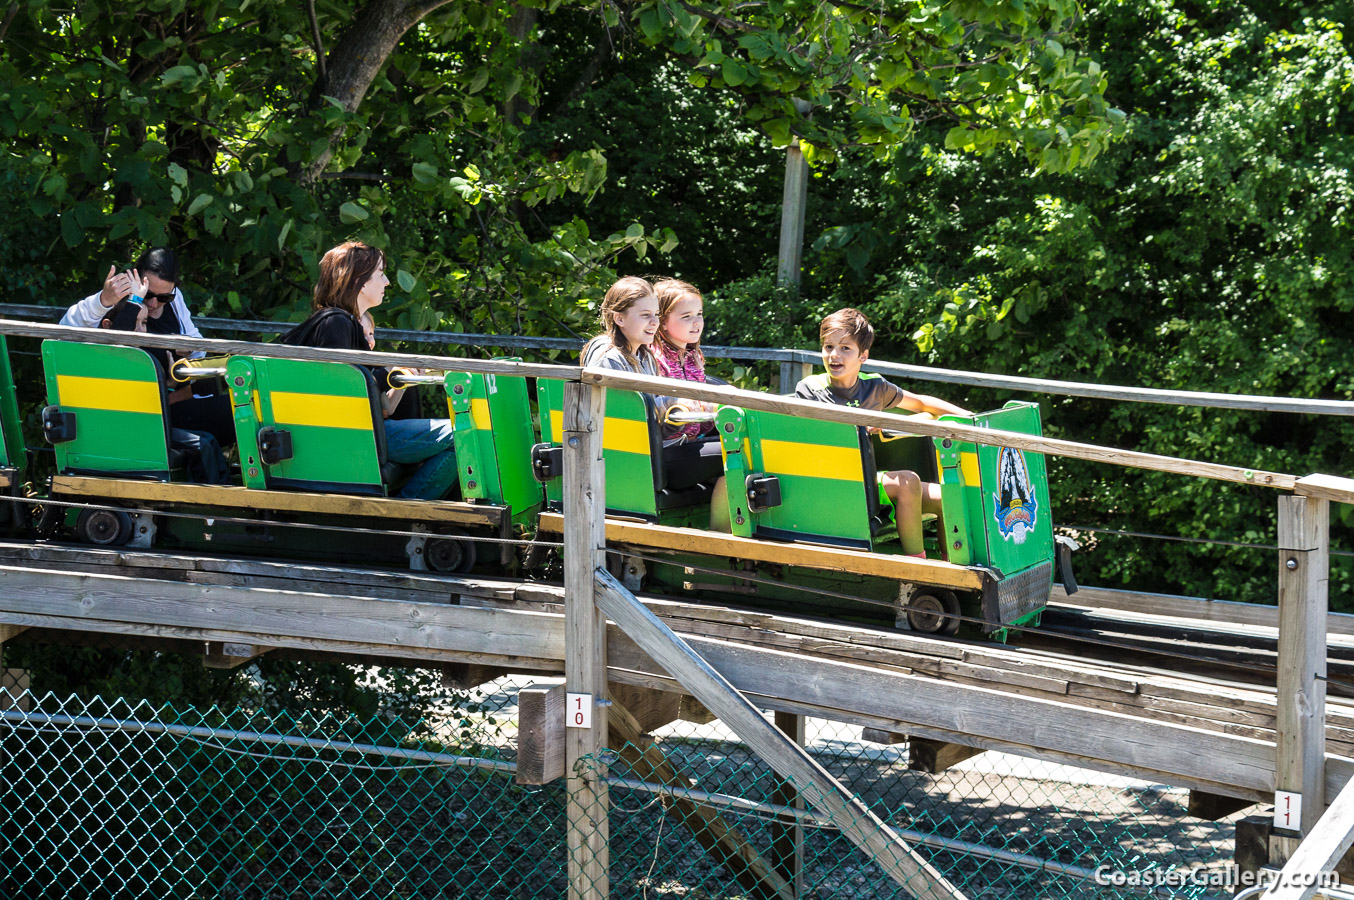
393, 474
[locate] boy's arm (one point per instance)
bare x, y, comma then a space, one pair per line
925, 403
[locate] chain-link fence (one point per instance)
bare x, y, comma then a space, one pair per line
124, 800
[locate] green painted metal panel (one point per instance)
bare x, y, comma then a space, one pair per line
629, 467
108, 440
821, 472
326, 407
514, 436
494, 437
11, 431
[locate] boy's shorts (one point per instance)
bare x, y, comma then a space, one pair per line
885, 502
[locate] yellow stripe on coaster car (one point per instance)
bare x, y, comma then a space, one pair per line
623, 435
112, 394
321, 410
479, 414
968, 469
812, 460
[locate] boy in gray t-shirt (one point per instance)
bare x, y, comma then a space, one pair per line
847, 336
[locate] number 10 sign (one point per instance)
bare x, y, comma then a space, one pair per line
578, 710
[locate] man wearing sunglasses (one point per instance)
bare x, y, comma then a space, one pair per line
168, 314
155, 282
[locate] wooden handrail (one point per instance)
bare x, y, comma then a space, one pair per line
810, 409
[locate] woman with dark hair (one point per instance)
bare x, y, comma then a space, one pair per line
154, 284
352, 282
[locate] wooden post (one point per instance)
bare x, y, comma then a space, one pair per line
540, 735
1304, 570
791, 373
792, 211
585, 641
787, 838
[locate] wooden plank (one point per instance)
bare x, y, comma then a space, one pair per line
725, 845
9, 632
855, 820
934, 757
585, 663
231, 654
1201, 608
992, 437
286, 351
1326, 487
691, 540
1320, 852
1212, 807
971, 712
540, 734
1304, 570
228, 497
357, 620
134, 635
1204, 399
881, 736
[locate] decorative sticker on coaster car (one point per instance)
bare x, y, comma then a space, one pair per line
1017, 509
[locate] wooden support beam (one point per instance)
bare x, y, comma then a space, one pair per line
230, 654
649, 707
809, 556
726, 846
9, 632
1212, 807
1304, 570
1320, 852
461, 676
585, 646
540, 734
882, 736
934, 757
692, 710
823, 792
787, 835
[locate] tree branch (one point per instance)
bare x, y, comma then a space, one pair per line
9, 17
319, 42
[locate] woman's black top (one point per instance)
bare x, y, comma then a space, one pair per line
336, 329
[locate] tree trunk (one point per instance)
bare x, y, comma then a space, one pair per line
356, 59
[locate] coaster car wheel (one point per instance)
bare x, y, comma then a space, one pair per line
450, 554
104, 527
934, 612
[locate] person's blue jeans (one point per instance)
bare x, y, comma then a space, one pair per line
426, 441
